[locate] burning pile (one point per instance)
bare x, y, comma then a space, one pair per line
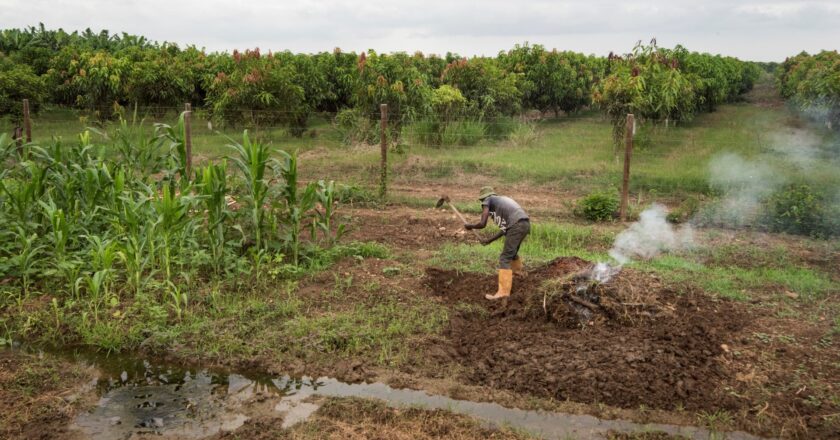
595, 295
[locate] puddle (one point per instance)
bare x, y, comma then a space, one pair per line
547, 425
138, 397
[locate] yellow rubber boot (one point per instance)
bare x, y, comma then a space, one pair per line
518, 267
505, 284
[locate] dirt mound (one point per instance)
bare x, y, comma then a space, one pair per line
454, 286
641, 344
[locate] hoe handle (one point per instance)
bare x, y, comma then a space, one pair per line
464, 220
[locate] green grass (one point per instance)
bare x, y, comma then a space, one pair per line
575, 152
378, 326
740, 283
546, 242
208, 143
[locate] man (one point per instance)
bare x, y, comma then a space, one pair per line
514, 225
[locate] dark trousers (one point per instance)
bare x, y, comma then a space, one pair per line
513, 239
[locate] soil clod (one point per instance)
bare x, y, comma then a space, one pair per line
626, 343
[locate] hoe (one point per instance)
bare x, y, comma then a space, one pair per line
445, 199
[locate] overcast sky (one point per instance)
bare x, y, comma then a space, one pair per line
761, 30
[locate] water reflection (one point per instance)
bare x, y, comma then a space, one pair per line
141, 397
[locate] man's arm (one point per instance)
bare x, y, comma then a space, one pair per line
498, 235
485, 214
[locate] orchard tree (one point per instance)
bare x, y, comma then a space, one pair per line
489, 90
18, 82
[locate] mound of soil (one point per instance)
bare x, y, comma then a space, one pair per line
642, 344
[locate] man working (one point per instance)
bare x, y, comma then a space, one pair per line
513, 223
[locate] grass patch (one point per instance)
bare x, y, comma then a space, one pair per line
546, 242
380, 327
739, 283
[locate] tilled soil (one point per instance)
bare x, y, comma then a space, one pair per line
409, 229
626, 358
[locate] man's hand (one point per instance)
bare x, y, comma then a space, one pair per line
486, 241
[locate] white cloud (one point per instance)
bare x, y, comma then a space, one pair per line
764, 30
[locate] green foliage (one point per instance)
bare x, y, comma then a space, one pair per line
489, 90
552, 80
398, 80
799, 209
355, 128
598, 206
812, 83
103, 73
448, 103
19, 81
90, 225
664, 85
258, 90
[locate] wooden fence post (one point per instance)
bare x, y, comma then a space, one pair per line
383, 145
628, 151
188, 138
18, 138
27, 123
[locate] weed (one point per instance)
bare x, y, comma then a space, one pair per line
715, 420
598, 206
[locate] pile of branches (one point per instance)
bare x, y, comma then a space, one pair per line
579, 299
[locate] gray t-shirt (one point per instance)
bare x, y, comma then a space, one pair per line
504, 211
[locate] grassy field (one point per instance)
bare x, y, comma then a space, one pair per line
765, 305
571, 154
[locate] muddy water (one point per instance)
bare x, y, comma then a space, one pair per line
140, 397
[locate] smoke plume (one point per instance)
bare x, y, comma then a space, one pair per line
650, 236
744, 185
646, 238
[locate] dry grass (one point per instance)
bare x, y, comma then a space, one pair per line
350, 419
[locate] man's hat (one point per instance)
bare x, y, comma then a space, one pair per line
486, 191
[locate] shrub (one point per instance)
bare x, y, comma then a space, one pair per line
470, 132
524, 134
355, 128
598, 206
18, 81
799, 209
687, 209
424, 132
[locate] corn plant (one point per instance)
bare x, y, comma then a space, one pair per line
134, 221
211, 185
296, 205
96, 286
180, 300
253, 159
22, 194
176, 137
327, 204
27, 258
60, 229
171, 209
143, 153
